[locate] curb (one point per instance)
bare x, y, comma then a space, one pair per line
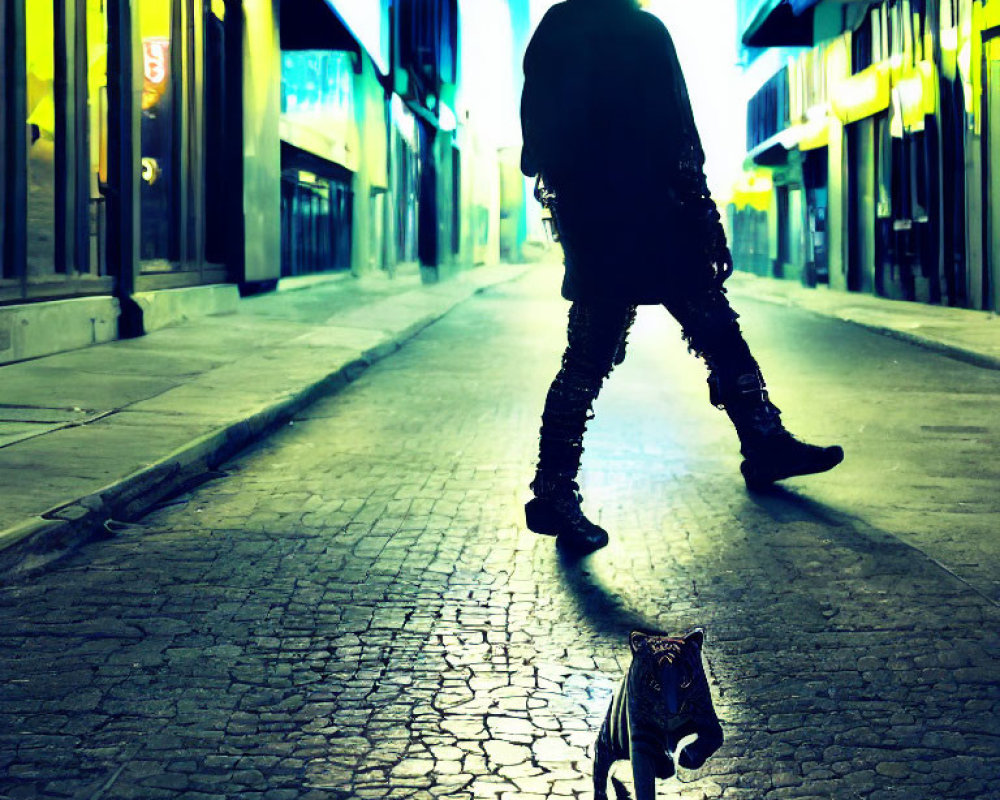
947, 349
37, 543
954, 351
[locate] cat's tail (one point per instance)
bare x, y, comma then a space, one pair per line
620, 791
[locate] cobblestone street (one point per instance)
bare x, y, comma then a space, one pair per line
354, 608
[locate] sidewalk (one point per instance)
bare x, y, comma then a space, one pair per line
972, 336
92, 438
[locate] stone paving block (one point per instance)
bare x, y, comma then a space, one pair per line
354, 608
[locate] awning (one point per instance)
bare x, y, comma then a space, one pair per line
862, 95
752, 190
801, 6
813, 134
781, 23
355, 26
773, 152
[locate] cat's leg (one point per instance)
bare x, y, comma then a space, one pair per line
602, 765
709, 740
644, 750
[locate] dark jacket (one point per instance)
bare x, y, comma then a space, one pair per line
607, 121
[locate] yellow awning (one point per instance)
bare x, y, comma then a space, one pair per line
862, 95
810, 135
752, 190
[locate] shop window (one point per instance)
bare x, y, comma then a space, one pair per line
406, 189
316, 223
920, 175
884, 148
216, 133
158, 247
861, 46
41, 140
376, 227
97, 132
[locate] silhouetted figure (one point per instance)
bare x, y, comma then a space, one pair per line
608, 128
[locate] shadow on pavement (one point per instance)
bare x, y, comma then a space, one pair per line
599, 604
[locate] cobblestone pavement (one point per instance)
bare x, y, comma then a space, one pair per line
354, 609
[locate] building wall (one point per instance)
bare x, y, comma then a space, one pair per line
911, 93
172, 183
111, 193
261, 142
371, 179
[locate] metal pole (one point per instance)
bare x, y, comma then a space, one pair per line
122, 185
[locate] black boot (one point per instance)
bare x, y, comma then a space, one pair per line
771, 453
555, 511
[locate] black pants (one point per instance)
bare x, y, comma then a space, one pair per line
597, 336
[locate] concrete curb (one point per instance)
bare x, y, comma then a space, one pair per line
37, 543
948, 349
952, 350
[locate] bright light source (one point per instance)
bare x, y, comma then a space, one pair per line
488, 63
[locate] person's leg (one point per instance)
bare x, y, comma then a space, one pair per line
596, 339
736, 384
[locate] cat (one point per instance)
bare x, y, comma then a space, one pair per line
663, 698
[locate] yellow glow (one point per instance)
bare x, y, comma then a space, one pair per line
976, 73
41, 67
97, 81
154, 19
753, 190
150, 170
40, 167
991, 14
862, 95
154, 29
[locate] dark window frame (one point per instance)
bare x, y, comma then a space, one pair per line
862, 49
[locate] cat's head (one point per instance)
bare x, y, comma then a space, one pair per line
675, 662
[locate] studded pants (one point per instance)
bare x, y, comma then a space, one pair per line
597, 336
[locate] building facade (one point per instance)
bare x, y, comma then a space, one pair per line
161, 157
873, 148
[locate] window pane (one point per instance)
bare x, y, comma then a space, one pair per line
41, 134
97, 121
157, 206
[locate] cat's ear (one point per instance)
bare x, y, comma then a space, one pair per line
637, 640
697, 637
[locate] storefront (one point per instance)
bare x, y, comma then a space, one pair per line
54, 112
320, 154
124, 156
